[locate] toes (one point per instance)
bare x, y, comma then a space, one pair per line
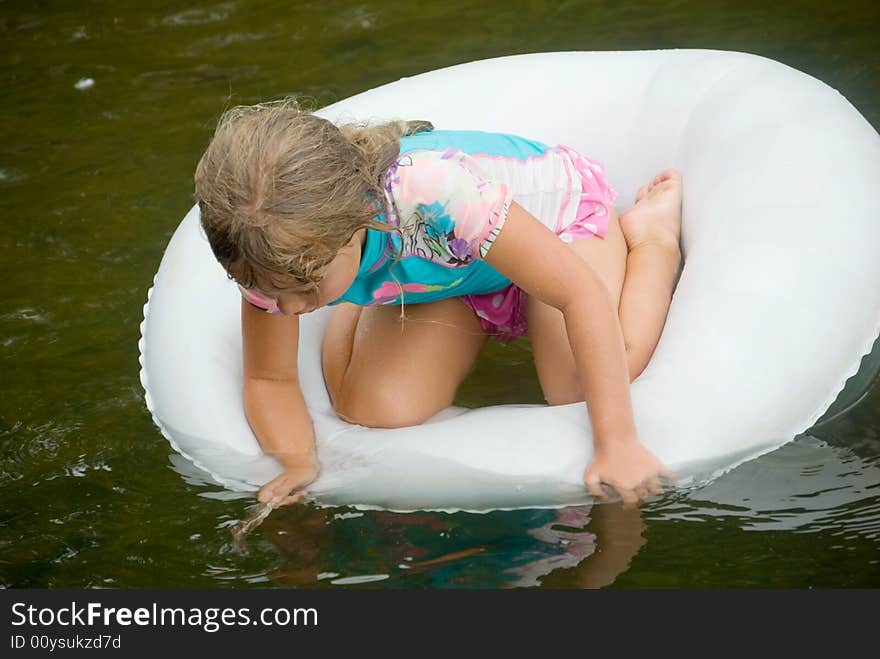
670, 176
666, 175
665, 180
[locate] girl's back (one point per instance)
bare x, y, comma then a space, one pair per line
446, 190
542, 177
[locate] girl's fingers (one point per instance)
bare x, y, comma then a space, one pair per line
668, 475
594, 487
267, 494
280, 487
284, 496
293, 498
629, 498
654, 486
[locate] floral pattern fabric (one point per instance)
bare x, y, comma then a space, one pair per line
446, 206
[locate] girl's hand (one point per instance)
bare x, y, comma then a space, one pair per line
629, 468
296, 475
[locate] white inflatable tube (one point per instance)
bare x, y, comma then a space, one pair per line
777, 303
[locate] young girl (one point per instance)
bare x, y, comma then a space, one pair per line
429, 242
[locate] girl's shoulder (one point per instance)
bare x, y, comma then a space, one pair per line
456, 165
448, 179
445, 205
475, 143
467, 165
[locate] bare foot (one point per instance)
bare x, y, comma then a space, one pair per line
656, 216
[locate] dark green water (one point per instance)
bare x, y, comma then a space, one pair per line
92, 184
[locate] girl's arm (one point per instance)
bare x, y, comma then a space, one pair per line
273, 401
534, 258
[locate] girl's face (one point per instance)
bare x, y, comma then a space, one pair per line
338, 277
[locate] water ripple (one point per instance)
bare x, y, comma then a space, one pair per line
210, 45
806, 486
200, 16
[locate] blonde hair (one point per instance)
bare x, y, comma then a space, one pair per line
281, 190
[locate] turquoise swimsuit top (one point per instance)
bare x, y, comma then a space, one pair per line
448, 211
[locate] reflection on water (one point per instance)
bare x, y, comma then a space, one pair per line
94, 180
806, 487
417, 550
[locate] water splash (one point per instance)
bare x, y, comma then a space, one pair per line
254, 518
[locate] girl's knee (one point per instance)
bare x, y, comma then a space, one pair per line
380, 406
560, 393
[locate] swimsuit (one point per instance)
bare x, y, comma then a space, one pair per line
449, 192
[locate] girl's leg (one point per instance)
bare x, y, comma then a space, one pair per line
639, 282
653, 230
554, 361
384, 372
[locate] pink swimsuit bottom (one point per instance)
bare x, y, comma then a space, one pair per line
503, 313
